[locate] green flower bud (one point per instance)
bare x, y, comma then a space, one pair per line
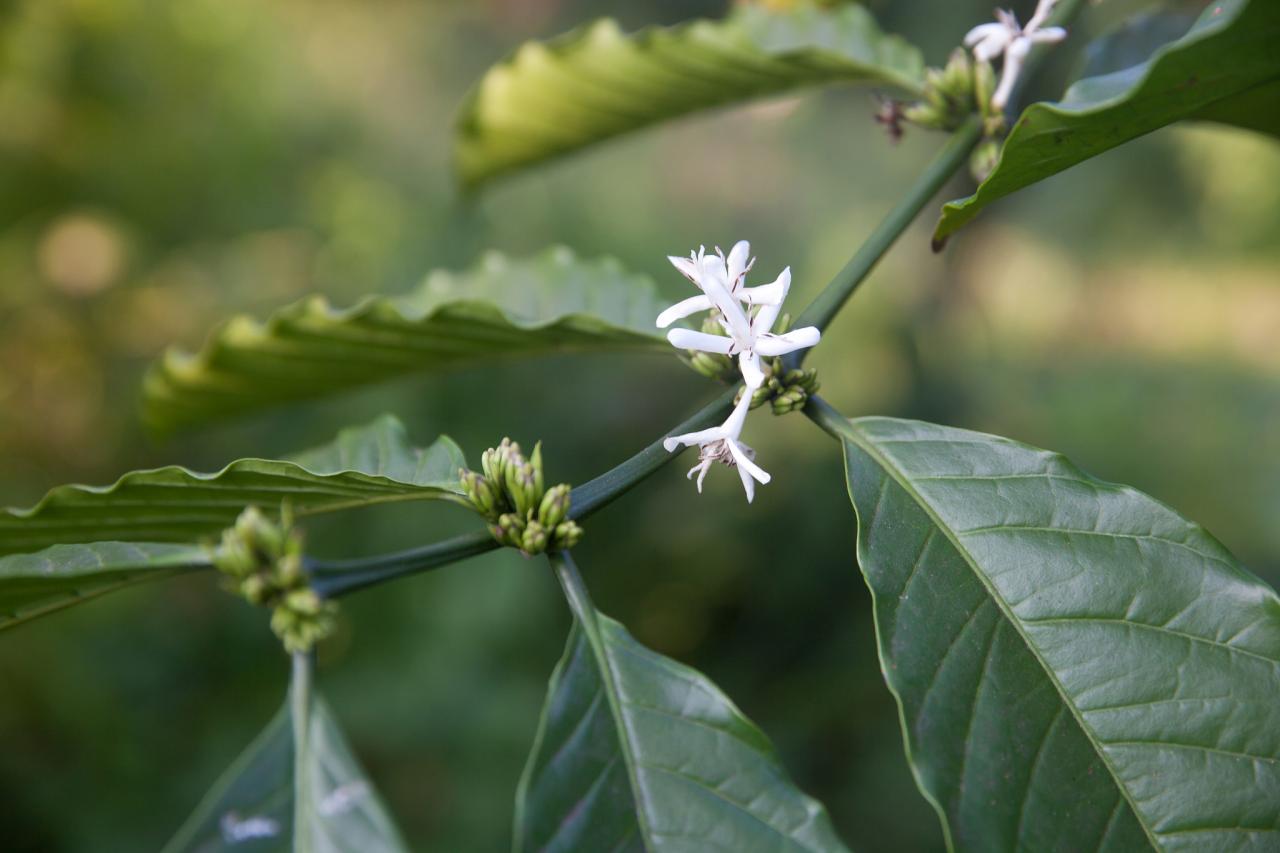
535, 461
555, 506
255, 589
567, 534
984, 83
956, 80
509, 529
480, 493
926, 114
303, 602
534, 540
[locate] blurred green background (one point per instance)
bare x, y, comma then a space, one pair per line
166, 162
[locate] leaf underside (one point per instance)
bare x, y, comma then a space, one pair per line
365, 465
32, 585
252, 807
597, 82
550, 302
1078, 667
636, 751
1225, 69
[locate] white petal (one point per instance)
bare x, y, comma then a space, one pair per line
992, 46
689, 439
1043, 8
686, 267
736, 264
752, 374
745, 462
772, 293
715, 287
689, 339
684, 308
748, 484
983, 32
772, 345
1048, 35
1013, 58
732, 426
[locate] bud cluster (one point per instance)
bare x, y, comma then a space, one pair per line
953, 93
786, 390
263, 564
511, 495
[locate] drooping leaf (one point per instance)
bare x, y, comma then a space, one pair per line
32, 585
550, 302
253, 806
365, 465
598, 82
1078, 667
1225, 69
638, 752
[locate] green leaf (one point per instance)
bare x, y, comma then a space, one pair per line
596, 82
365, 465
32, 585
253, 806
550, 302
637, 752
1077, 666
1225, 69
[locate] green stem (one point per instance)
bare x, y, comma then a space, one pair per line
300, 711
825, 415
575, 591
335, 578
948, 161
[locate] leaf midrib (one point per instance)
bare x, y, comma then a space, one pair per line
851, 434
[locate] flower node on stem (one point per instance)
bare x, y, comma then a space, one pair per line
786, 390
262, 562
511, 495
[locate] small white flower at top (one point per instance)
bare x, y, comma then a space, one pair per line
1013, 40
748, 335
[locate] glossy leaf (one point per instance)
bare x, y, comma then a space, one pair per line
638, 752
253, 807
502, 307
365, 465
32, 585
597, 82
1078, 667
1225, 69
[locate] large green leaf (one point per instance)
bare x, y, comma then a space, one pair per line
365, 465
638, 752
261, 804
550, 302
597, 82
32, 585
1225, 69
1078, 667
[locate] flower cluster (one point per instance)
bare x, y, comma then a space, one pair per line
263, 563
745, 317
1006, 36
521, 511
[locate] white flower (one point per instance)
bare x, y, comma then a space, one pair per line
722, 281
722, 444
1006, 36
